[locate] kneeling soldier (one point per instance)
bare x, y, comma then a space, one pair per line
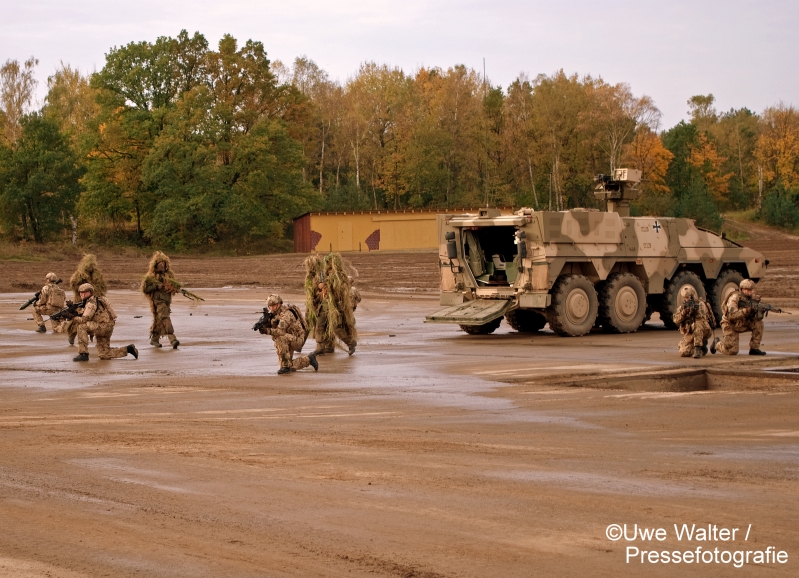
287, 331
695, 320
51, 300
740, 315
98, 319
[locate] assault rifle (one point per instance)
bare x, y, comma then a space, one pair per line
35, 298
759, 310
264, 321
190, 295
68, 312
692, 305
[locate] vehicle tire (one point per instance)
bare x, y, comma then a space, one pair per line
525, 320
647, 315
727, 282
622, 303
671, 295
574, 306
484, 329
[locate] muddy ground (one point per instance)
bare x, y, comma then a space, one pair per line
428, 453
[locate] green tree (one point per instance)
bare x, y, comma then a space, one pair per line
39, 180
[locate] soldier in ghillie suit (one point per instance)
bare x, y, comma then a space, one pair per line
97, 319
87, 272
694, 317
159, 285
329, 307
740, 315
284, 324
51, 300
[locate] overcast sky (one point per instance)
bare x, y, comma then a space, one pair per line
743, 51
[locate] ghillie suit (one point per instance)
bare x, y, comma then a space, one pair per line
87, 272
329, 302
159, 284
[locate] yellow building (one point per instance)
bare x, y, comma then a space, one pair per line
369, 230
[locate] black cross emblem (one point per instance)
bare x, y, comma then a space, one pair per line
656, 227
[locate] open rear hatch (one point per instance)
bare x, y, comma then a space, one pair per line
477, 312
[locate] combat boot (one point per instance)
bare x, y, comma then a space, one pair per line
81, 357
756, 352
41, 329
173, 341
713, 345
313, 362
697, 352
284, 370
154, 340
352, 348
133, 351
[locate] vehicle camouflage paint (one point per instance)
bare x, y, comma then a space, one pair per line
582, 268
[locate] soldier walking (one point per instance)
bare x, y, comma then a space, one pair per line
329, 303
285, 326
159, 285
695, 320
51, 300
740, 315
87, 272
97, 319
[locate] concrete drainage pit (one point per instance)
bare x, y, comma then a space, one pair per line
689, 379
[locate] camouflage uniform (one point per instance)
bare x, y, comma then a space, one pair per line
159, 285
87, 272
98, 319
51, 300
325, 344
695, 325
288, 335
736, 321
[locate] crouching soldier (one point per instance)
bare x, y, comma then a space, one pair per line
285, 324
740, 315
51, 300
97, 319
695, 321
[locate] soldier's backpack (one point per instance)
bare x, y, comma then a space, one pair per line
724, 306
57, 297
301, 318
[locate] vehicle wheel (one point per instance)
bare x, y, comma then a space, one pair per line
574, 306
622, 303
671, 295
484, 329
647, 315
525, 321
728, 281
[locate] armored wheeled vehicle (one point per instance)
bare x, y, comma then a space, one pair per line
581, 268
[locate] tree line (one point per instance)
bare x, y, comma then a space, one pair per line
181, 145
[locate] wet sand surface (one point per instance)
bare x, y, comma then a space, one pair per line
428, 453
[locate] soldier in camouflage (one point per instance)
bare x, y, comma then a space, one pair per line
288, 335
51, 300
97, 319
695, 320
324, 340
739, 319
159, 285
86, 272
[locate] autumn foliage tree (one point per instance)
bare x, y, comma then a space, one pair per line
186, 145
